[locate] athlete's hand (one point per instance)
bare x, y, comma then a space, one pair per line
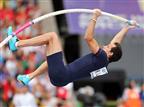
132, 25
97, 13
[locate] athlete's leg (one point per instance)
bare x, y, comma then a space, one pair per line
36, 41
53, 46
40, 70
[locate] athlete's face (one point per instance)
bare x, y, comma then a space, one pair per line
107, 49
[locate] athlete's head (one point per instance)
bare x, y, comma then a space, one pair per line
113, 51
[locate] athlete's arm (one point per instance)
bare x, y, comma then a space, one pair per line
121, 35
89, 35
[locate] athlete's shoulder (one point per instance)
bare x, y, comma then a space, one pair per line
101, 54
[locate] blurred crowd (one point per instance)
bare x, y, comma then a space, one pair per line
40, 92
133, 95
16, 13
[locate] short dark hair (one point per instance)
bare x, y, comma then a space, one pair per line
117, 53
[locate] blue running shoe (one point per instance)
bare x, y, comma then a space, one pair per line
24, 79
12, 42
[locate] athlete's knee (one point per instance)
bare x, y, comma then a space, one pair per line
54, 36
50, 36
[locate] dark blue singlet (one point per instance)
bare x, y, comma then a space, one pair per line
61, 75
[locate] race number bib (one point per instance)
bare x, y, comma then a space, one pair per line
98, 72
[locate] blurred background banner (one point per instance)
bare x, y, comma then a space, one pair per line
129, 9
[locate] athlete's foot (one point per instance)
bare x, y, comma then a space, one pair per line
13, 41
24, 79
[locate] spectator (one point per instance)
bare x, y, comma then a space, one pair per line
131, 96
49, 100
23, 98
11, 65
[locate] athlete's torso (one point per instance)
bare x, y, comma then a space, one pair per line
82, 67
